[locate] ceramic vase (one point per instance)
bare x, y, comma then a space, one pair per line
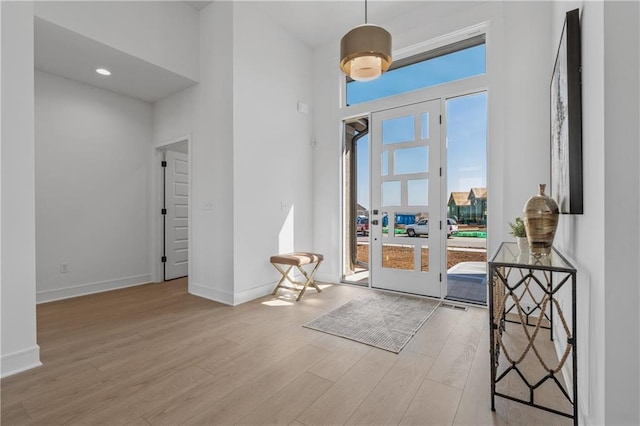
523, 244
541, 222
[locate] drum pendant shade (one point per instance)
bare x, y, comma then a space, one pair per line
365, 52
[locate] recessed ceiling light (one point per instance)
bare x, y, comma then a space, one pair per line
103, 71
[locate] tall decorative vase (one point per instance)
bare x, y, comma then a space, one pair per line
541, 222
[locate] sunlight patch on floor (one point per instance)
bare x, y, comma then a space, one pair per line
278, 302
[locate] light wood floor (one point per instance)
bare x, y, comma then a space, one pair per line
156, 355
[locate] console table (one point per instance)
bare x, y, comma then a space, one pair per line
528, 295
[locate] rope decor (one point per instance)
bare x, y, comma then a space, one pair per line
499, 311
528, 291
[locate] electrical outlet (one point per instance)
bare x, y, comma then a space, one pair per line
64, 267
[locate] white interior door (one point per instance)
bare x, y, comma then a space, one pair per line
177, 217
405, 188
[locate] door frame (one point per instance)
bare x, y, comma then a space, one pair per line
156, 203
443, 92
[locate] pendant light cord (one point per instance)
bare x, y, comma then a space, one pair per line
365, 11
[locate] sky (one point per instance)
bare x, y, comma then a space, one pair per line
466, 118
454, 66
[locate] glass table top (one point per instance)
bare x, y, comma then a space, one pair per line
509, 255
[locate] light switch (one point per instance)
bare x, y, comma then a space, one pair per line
303, 108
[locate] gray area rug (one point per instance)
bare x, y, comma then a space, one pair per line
385, 321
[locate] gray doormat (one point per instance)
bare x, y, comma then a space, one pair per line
385, 321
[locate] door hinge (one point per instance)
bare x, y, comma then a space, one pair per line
440, 276
163, 164
440, 225
440, 118
440, 171
163, 211
164, 259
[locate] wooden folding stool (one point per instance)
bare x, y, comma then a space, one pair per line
297, 259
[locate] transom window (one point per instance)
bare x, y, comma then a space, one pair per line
453, 62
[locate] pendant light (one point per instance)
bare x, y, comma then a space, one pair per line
365, 51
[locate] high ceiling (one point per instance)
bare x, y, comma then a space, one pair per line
317, 23
68, 54
320, 22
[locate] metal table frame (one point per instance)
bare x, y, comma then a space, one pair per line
537, 272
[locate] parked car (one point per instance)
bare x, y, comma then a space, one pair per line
452, 227
422, 228
419, 228
362, 225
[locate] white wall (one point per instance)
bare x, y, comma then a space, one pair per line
174, 116
212, 154
92, 188
164, 33
251, 151
327, 133
581, 237
598, 241
527, 75
272, 154
18, 343
622, 147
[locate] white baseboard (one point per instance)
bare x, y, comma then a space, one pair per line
253, 293
211, 293
229, 298
20, 361
326, 278
91, 288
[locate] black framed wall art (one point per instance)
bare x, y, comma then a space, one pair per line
566, 119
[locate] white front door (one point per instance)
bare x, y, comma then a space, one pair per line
177, 217
405, 189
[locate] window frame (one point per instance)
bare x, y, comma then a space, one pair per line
423, 56
429, 92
